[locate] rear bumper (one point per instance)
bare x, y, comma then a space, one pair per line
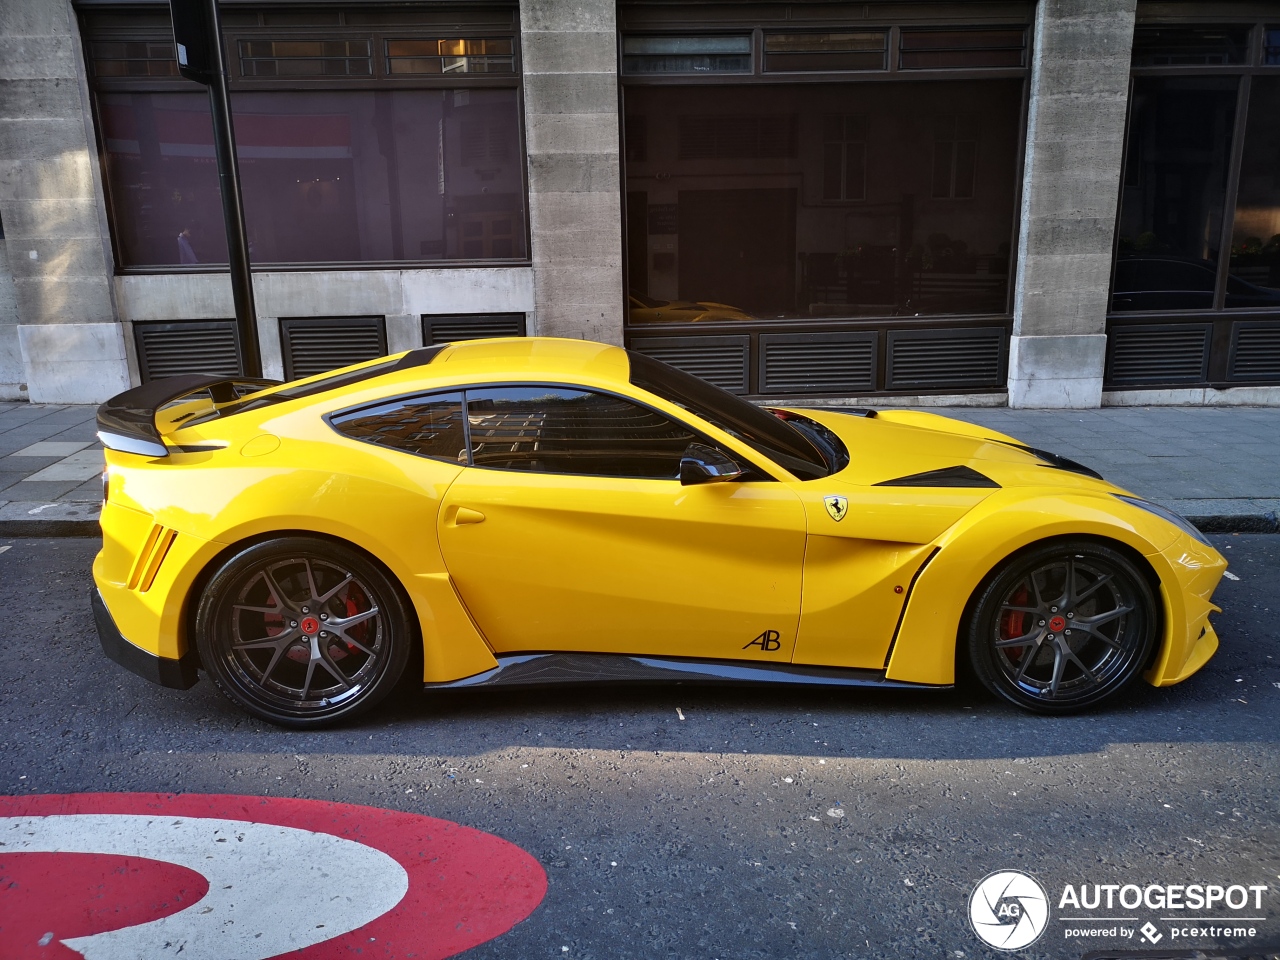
177, 674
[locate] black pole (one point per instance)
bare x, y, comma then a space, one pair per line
224, 145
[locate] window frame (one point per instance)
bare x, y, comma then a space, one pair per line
752, 471
1224, 320
236, 27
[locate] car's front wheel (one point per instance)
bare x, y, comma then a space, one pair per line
1063, 626
303, 632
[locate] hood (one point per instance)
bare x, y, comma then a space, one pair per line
908, 448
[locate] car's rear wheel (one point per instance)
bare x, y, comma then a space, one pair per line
303, 632
1063, 626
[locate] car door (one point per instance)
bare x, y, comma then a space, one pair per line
570, 531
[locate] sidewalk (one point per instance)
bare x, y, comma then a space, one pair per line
1217, 465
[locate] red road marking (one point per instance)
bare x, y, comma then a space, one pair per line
465, 886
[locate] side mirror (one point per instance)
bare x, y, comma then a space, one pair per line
704, 464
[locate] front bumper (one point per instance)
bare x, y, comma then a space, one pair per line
177, 674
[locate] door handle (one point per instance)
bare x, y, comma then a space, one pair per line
465, 516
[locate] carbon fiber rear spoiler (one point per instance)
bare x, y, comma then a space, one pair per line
127, 422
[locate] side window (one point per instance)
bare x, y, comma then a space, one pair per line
429, 426
561, 430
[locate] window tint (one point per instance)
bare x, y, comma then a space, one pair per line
427, 426
560, 430
1255, 239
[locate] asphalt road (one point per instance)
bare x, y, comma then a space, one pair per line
692, 822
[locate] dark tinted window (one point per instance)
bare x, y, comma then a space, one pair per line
428, 426
826, 199
1255, 238
780, 442
560, 430
1171, 206
329, 175
1171, 45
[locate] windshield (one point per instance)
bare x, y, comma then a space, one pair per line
759, 429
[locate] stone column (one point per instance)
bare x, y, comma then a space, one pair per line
1075, 134
71, 343
569, 48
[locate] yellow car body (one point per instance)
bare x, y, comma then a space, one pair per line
648, 310
757, 572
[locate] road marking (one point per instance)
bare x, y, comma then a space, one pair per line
7, 546
331, 885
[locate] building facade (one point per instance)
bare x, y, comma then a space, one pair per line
1045, 203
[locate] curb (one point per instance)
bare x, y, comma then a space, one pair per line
1238, 523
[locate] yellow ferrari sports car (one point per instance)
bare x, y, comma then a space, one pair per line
538, 511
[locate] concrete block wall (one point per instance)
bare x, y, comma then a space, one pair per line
570, 57
13, 383
69, 338
1071, 182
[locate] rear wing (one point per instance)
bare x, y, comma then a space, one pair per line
127, 422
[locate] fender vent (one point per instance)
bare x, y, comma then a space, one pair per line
822, 363
1255, 354
1151, 354
475, 326
718, 360
150, 558
958, 476
319, 344
946, 359
174, 349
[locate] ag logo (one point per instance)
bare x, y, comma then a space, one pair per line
1009, 910
837, 507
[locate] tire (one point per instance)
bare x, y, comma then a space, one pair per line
1087, 619
303, 632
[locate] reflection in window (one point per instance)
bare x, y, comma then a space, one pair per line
1255, 237
427, 426
328, 176
1167, 45
1171, 206
428, 57
133, 58
558, 430
693, 54
305, 58
1271, 46
731, 205
844, 157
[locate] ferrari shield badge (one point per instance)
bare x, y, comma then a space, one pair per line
837, 507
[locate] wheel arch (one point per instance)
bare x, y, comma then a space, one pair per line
1142, 563
927, 649
448, 646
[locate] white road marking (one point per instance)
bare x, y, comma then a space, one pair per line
272, 889
7, 546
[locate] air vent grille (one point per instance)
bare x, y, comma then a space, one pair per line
1256, 351
821, 363
318, 344
718, 360
173, 349
1150, 354
945, 359
476, 326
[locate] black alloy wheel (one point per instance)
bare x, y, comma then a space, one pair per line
303, 632
1063, 627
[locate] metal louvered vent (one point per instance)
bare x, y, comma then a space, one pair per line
172, 349
1255, 352
945, 359
1151, 354
718, 360
474, 326
318, 344
827, 363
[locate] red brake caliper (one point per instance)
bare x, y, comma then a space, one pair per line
1013, 623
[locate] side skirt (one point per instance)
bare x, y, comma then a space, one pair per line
540, 669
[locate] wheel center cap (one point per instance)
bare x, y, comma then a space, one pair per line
1057, 623
310, 625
